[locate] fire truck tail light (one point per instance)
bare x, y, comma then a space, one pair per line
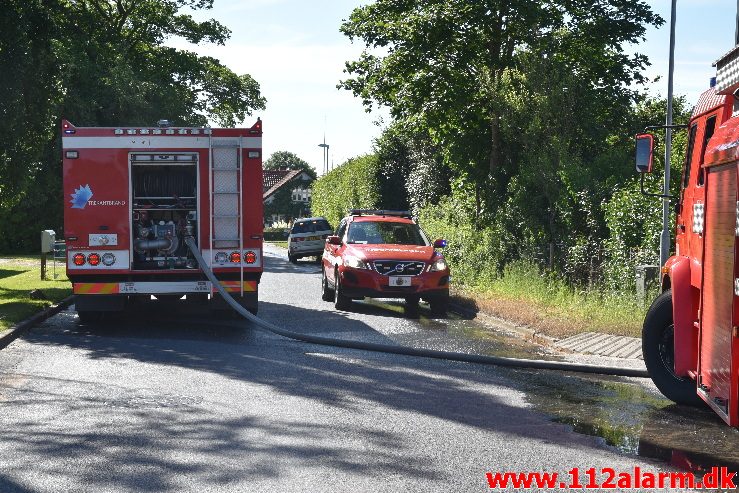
78, 259
71, 154
698, 217
108, 259
221, 258
235, 257
118, 131
93, 259
250, 257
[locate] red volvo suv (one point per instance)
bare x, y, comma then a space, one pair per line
383, 254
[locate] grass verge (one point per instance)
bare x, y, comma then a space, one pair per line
18, 277
548, 306
282, 244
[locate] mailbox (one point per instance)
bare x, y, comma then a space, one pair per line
48, 237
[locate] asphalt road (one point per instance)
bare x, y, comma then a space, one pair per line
169, 401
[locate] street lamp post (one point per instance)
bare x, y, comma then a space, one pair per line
664, 246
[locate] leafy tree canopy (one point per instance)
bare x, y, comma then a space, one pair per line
445, 62
98, 62
289, 160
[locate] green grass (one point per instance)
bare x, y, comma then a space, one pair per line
18, 277
548, 305
282, 244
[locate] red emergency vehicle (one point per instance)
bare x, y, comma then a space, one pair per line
132, 194
691, 332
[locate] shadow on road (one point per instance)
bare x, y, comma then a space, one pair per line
227, 446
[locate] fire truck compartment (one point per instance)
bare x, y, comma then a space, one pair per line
716, 341
164, 204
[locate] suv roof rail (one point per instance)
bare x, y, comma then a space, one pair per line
379, 212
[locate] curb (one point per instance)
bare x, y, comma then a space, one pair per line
21, 327
488, 319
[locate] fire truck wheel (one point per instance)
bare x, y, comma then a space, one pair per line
341, 302
659, 354
327, 294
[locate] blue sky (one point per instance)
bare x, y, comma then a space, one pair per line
294, 49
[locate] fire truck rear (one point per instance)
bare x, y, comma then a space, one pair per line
132, 194
691, 332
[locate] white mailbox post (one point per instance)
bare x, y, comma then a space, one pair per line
48, 237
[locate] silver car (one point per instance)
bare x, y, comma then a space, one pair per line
307, 238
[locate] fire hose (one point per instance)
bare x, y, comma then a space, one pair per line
404, 350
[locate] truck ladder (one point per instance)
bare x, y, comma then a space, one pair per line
225, 192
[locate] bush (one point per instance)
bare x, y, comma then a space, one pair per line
352, 185
275, 234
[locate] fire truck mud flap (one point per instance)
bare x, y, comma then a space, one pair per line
402, 350
99, 303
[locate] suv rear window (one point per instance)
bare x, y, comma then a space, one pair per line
385, 233
310, 226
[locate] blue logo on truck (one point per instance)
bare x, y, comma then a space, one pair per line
81, 196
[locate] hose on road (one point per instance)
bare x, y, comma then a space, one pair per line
408, 351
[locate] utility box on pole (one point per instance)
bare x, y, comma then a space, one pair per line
48, 238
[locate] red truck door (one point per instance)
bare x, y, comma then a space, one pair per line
715, 368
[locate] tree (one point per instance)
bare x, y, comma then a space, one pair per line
445, 65
288, 160
98, 62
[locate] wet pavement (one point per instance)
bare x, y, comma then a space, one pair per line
628, 414
164, 400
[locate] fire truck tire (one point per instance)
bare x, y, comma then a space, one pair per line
341, 302
327, 294
657, 348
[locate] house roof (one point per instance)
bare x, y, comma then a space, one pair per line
273, 179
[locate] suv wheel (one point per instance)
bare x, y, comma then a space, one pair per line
439, 306
341, 302
327, 294
292, 258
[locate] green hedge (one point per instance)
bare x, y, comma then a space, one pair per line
354, 184
275, 234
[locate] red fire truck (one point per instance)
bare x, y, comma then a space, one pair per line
691, 332
132, 194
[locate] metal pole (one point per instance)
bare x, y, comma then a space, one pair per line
664, 249
736, 32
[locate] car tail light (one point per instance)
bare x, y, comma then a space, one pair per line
235, 258
108, 259
250, 257
299, 239
78, 259
93, 259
